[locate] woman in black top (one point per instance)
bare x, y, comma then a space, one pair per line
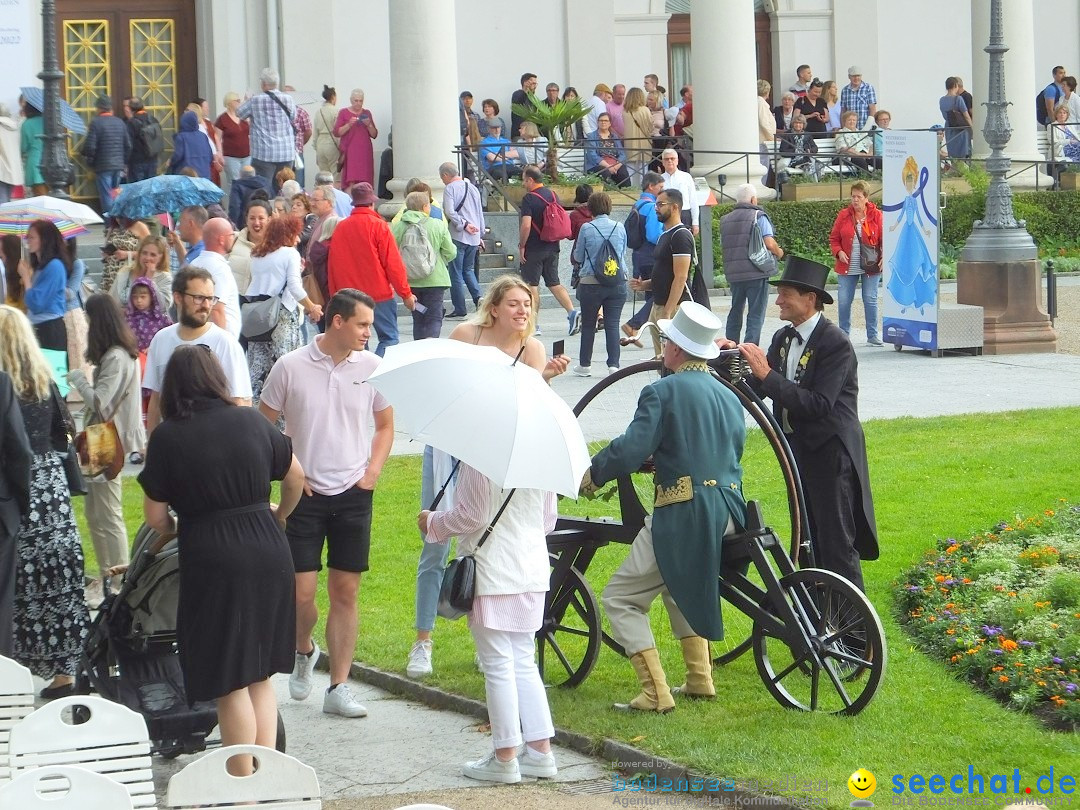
212, 463
814, 109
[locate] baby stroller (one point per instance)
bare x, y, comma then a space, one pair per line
131, 654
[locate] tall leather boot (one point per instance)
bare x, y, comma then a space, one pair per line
699, 682
655, 695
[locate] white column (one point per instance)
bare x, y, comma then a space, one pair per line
723, 65
424, 90
1021, 83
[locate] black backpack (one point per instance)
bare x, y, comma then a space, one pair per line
635, 227
152, 137
1040, 106
607, 269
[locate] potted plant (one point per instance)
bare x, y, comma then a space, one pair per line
552, 121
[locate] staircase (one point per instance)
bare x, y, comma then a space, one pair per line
495, 259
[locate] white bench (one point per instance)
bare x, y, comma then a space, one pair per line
822, 160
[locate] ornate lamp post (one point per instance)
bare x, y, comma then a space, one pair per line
55, 167
999, 268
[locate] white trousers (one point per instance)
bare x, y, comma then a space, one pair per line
631, 591
516, 700
105, 518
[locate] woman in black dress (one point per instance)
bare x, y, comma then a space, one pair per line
212, 463
50, 617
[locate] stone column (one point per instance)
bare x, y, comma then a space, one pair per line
424, 90
1021, 83
723, 66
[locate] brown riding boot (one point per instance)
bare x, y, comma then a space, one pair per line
655, 695
699, 682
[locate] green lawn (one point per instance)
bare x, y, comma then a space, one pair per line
932, 478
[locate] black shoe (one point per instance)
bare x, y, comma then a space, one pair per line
54, 692
456, 316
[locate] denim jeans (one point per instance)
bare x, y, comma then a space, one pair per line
428, 324
593, 298
142, 170
433, 556
754, 296
106, 182
231, 172
870, 284
642, 270
462, 275
386, 324
269, 170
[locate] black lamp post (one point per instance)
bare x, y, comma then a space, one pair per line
55, 167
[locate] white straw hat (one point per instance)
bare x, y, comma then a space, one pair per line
694, 329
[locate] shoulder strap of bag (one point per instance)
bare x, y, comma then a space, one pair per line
329, 127
465, 196
494, 520
284, 109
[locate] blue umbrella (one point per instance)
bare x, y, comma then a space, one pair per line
163, 194
69, 119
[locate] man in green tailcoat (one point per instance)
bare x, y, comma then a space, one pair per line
693, 428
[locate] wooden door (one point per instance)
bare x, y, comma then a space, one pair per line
121, 49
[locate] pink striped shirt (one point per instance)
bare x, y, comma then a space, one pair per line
473, 509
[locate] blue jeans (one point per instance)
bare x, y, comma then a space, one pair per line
142, 170
428, 324
754, 295
106, 182
269, 170
462, 275
386, 324
593, 298
642, 270
433, 556
848, 283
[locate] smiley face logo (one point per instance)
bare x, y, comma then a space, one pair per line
862, 784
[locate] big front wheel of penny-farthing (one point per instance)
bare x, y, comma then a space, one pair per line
769, 473
568, 643
831, 654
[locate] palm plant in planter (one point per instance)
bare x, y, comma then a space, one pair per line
552, 122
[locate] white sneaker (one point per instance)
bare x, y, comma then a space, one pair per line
533, 763
583, 371
300, 680
419, 659
490, 769
341, 700
612, 369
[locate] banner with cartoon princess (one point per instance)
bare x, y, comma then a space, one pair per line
909, 203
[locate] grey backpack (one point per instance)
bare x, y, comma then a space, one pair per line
417, 252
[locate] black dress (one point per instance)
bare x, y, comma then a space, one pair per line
236, 617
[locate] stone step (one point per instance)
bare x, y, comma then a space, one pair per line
492, 260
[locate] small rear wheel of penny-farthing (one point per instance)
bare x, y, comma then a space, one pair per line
769, 473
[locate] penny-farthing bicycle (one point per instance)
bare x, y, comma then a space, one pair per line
816, 640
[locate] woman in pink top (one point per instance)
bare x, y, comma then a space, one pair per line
355, 131
512, 572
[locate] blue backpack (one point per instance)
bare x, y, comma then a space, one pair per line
635, 227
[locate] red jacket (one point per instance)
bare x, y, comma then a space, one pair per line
363, 255
843, 233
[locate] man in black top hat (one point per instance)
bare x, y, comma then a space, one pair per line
811, 375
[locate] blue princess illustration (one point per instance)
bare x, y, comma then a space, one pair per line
913, 278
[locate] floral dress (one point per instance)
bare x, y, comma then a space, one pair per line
50, 615
121, 239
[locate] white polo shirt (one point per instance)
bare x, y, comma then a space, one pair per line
328, 413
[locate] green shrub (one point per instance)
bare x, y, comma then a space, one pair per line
1062, 589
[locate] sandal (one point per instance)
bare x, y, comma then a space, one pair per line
631, 337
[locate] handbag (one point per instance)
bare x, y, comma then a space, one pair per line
259, 316
869, 256
459, 577
100, 450
760, 256
75, 479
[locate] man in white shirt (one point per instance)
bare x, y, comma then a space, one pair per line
597, 104
682, 182
321, 390
193, 295
217, 239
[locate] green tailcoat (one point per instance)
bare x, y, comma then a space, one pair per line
693, 428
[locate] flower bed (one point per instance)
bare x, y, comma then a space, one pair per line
1002, 610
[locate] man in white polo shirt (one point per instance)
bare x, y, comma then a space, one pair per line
322, 390
217, 240
194, 298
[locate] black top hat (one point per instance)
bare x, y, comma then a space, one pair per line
805, 274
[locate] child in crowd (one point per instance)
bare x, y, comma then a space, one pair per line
146, 317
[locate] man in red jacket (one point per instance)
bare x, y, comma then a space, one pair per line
364, 256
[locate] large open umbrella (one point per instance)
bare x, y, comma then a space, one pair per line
163, 194
69, 119
68, 216
476, 404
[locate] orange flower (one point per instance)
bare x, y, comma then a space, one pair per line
939, 578
1003, 678
1009, 645
965, 580
1040, 683
952, 549
996, 669
955, 658
950, 632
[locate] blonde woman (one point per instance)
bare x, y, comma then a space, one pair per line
533, 148
152, 262
766, 121
638, 131
327, 146
831, 93
655, 102
233, 133
50, 619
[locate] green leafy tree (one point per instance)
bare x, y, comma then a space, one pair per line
555, 123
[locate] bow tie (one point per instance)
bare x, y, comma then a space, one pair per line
791, 334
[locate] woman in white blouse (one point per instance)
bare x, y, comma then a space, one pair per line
275, 271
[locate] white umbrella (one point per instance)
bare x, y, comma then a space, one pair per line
476, 404
68, 209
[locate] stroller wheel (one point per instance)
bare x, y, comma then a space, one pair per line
280, 743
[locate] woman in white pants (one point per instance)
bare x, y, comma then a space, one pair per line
512, 573
115, 394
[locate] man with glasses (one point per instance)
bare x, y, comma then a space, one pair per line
193, 295
217, 239
677, 180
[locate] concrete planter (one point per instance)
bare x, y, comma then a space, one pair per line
565, 194
1070, 181
801, 192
